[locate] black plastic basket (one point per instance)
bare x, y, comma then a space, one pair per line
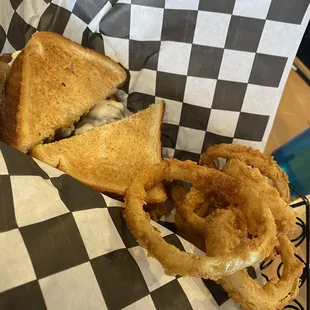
304, 236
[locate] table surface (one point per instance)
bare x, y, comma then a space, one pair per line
293, 115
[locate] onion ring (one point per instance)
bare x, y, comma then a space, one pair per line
203, 207
284, 215
195, 197
184, 230
177, 195
240, 286
157, 211
176, 262
267, 166
186, 210
222, 235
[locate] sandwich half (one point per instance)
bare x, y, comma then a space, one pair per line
108, 157
52, 83
56, 89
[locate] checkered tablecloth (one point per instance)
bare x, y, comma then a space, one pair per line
220, 65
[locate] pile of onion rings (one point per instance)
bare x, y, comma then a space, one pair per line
267, 166
282, 212
238, 215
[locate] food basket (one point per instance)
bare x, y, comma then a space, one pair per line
221, 67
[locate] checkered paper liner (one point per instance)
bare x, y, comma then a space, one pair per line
220, 66
64, 245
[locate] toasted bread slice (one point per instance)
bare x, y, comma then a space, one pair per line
53, 82
107, 158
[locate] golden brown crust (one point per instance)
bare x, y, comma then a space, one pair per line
158, 134
155, 195
252, 177
3, 58
45, 35
267, 166
275, 294
107, 158
9, 107
172, 259
53, 82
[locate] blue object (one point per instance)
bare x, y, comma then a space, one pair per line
294, 159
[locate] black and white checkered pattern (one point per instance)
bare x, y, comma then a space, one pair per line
64, 245
220, 66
